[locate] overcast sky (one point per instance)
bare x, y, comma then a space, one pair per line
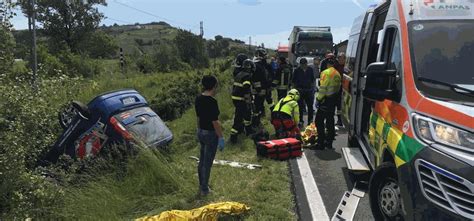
267, 21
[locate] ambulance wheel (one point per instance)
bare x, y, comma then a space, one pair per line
384, 193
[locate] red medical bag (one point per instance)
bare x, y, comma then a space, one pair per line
282, 149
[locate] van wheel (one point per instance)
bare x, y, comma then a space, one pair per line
384, 193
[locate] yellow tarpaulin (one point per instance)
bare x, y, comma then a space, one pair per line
208, 213
310, 134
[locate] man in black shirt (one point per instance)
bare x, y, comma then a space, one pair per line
209, 130
304, 81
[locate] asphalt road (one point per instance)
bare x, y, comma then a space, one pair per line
332, 179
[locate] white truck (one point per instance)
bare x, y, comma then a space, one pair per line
309, 42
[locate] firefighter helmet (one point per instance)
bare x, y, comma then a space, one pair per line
261, 53
239, 60
295, 94
247, 64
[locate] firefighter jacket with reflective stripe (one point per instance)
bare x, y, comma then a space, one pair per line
283, 77
237, 70
241, 90
290, 107
330, 84
261, 79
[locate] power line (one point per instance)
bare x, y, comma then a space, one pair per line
153, 15
118, 20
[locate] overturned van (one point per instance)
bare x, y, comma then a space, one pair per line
114, 117
408, 101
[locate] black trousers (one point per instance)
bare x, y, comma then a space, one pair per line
259, 104
281, 93
242, 117
325, 121
306, 103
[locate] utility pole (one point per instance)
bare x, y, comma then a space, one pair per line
34, 55
202, 29
250, 44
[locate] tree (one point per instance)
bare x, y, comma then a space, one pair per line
191, 49
7, 42
67, 22
218, 37
98, 45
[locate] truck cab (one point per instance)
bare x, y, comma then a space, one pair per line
408, 104
309, 42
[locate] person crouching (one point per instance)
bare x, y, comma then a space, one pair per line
285, 116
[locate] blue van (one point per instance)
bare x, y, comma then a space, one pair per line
114, 117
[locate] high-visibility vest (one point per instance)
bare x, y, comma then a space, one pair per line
290, 107
329, 84
241, 89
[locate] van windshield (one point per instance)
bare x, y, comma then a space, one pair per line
442, 55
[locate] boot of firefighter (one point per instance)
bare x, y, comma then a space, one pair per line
249, 130
233, 138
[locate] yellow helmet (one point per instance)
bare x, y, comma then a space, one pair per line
295, 94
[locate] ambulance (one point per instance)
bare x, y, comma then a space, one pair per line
408, 105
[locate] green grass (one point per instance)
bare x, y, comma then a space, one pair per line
156, 182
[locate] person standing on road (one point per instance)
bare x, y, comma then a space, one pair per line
327, 98
209, 130
304, 81
282, 78
323, 66
242, 99
340, 67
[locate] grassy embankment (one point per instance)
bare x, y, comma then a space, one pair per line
156, 181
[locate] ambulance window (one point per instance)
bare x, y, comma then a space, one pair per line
391, 53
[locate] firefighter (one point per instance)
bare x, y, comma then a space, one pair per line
327, 99
282, 78
242, 99
238, 63
285, 116
261, 84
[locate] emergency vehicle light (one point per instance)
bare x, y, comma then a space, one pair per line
432, 131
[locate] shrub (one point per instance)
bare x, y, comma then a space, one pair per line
145, 64
80, 65
174, 99
28, 126
191, 49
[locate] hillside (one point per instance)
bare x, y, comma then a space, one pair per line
136, 39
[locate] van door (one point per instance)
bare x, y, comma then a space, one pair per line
389, 113
368, 55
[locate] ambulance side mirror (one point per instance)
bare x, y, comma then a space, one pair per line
377, 84
293, 48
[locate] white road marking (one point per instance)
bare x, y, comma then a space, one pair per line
315, 202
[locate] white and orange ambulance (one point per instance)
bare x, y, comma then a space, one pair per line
408, 102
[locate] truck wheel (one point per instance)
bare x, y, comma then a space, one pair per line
384, 193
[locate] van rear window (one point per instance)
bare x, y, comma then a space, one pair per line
145, 125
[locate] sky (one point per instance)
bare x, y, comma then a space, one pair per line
266, 21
